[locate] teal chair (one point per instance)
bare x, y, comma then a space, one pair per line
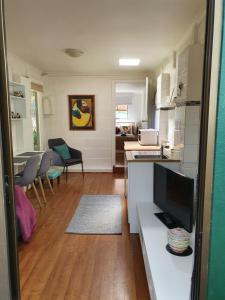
54, 174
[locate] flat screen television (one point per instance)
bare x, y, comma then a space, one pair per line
174, 195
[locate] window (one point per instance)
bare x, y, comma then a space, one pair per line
35, 123
121, 112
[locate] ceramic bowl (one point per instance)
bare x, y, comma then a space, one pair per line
178, 239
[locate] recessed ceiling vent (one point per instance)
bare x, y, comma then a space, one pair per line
73, 52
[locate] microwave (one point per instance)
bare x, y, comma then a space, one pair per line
148, 137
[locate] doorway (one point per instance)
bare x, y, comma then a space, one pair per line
36, 124
129, 110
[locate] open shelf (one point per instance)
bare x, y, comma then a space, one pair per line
18, 104
17, 98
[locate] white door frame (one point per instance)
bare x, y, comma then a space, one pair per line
113, 105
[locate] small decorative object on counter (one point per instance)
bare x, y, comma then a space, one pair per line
12, 115
178, 240
18, 116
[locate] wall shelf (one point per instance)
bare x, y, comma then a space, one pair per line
18, 104
17, 98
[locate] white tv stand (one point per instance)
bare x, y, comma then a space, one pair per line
168, 276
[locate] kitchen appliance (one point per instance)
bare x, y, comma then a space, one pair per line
148, 137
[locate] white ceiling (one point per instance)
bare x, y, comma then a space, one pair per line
105, 30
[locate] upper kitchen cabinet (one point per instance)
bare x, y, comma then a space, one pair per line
189, 74
163, 90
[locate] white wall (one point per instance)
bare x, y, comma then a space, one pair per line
96, 146
135, 109
133, 94
135, 104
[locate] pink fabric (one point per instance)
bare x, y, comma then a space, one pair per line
25, 214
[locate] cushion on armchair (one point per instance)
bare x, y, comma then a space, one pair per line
54, 173
63, 151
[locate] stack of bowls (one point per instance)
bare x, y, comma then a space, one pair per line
178, 239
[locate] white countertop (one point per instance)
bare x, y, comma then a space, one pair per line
135, 146
171, 275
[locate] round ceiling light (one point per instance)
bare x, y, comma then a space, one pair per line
73, 52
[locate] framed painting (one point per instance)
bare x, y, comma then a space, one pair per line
82, 112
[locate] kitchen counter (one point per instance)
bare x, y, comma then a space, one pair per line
130, 158
135, 146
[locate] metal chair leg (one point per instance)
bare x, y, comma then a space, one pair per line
42, 189
36, 194
82, 168
66, 173
49, 183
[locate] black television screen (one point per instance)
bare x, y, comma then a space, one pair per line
174, 195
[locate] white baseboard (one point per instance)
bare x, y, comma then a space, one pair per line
91, 170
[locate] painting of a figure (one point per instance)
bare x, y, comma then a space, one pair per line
82, 112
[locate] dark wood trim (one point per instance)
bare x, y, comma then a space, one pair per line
6, 140
188, 103
167, 108
199, 279
71, 127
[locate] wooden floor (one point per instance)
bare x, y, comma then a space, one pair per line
55, 265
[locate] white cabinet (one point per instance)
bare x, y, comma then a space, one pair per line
189, 74
140, 186
169, 277
163, 90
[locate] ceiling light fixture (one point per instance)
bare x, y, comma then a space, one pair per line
129, 61
73, 52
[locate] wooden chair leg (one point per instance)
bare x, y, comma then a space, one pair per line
49, 183
52, 182
36, 194
58, 179
42, 189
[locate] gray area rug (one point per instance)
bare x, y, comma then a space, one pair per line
97, 214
